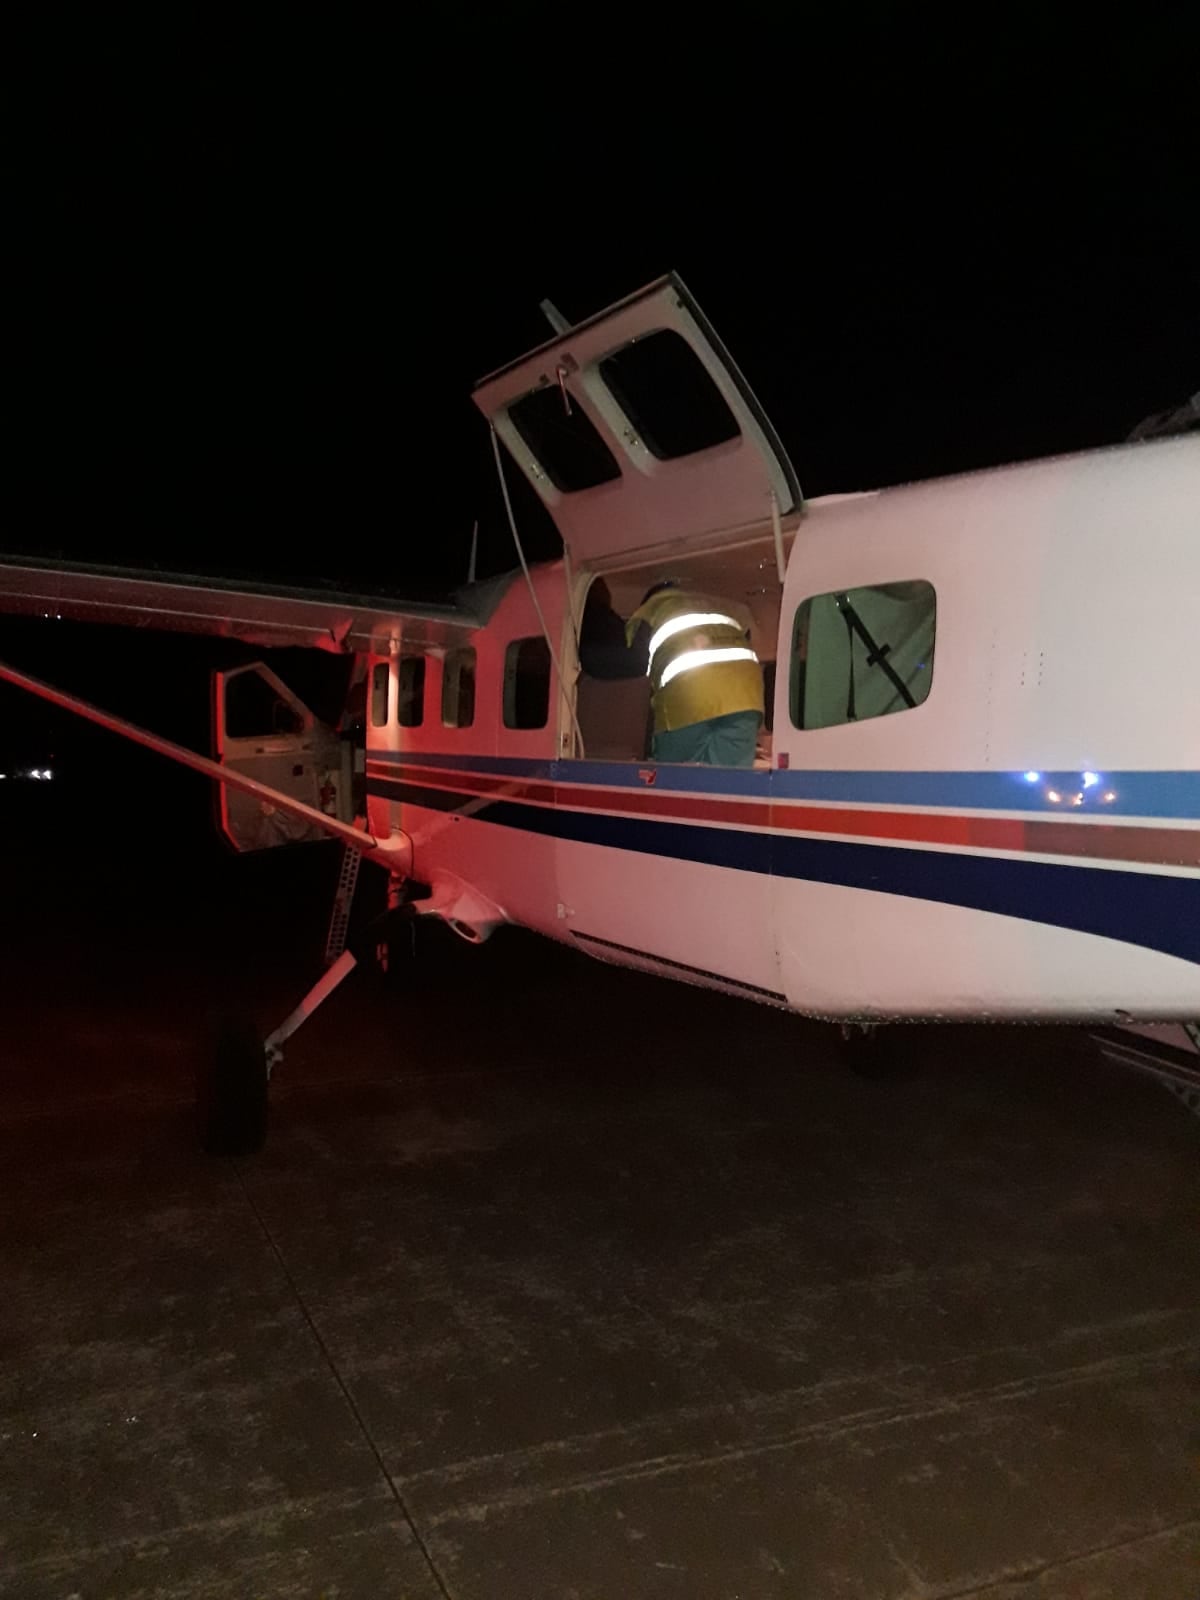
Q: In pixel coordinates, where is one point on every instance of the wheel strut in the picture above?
(320, 991)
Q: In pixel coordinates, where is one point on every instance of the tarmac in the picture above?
(556, 1282)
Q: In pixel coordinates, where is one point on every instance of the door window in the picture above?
(666, 391)
(564, 439)
(255, 710)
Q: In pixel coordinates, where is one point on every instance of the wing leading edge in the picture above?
(260, 614)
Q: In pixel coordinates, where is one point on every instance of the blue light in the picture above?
(1033, 777)
(1090, 779)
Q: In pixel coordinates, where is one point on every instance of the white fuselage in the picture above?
(1024, 842)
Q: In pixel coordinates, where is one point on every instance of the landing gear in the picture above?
(231, 1087)
(231, 1092)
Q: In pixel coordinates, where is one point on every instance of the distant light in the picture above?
(1110, 795)
(1053, 795)
(47, 772)
(1090, 779)
(1077, 800)
(1033, 777)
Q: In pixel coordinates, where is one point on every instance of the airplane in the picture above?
(977, 791)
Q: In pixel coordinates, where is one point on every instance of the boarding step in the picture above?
(343, 902)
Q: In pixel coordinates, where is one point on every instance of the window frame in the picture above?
(533, 433)
(795, 696)
(384, 667)
(452, 674)
(240, 721)
(510, 679)
(416, 693)
(642, 417)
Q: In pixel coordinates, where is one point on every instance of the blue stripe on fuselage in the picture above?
(1165, 795)
(1156, 910)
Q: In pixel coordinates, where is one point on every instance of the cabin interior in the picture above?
(614, 713)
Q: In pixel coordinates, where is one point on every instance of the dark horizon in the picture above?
(261, 285)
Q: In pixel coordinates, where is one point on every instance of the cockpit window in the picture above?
(860, 653)
(669, 395)
(564, 439)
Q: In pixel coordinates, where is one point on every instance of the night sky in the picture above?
(258, 273)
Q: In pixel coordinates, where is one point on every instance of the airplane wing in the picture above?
(259, 613)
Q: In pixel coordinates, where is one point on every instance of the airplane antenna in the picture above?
(554, 316)
(533, 595)
(1164, 424)
(474, 552)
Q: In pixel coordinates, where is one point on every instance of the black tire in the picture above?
(231, 1092)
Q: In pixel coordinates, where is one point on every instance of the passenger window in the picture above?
(859, 653)
(527, 683)
(381, 677)
(410, 691)
(458, 688)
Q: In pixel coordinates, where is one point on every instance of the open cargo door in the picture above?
(262, 729)
(638, 431)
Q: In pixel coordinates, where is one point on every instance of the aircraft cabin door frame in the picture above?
(262, 729)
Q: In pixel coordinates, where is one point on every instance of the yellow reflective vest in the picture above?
(700, 663)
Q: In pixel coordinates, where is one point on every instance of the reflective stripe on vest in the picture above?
(704, 658)
(691, 619)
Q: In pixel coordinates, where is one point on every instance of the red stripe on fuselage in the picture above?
(1096, 841)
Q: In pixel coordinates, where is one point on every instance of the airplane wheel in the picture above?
(873, 1052)
(231, 1092)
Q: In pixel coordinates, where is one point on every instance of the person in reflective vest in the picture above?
(706, 681)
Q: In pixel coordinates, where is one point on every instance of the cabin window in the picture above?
(527, 683)
(381, 678)
(254, 709)
(458, 688)
(859, 653)
(564, 439)
(669, 395)
(410, 691)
